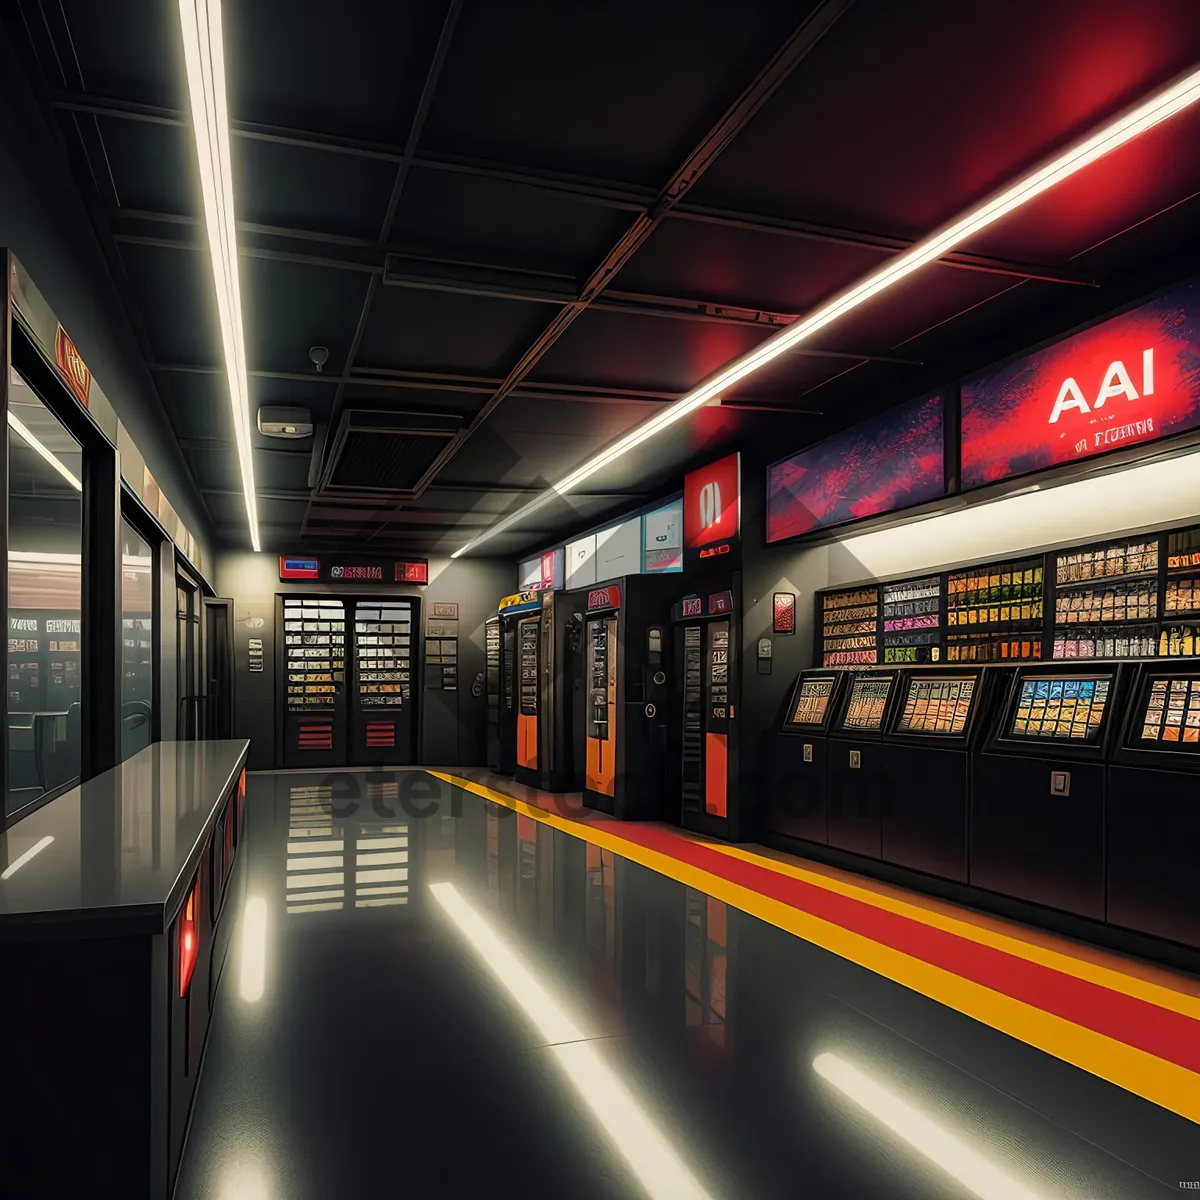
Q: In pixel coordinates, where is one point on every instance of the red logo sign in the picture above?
(548, 569)
(691, 606)
(411, 572)
(711, 503)
(299, 568)
(784, 612)
(720, 602)
(1127, 380)
(72, 368)
(605, 597)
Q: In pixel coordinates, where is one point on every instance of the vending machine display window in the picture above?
(912, 618)
(1098, 641)
(850, 628)
(1170, 714)
(1105, 600)
(937, 705)
(867, 703)
(994, 612)
(809, 708)
(315, 652)
(383, 654)
(1061, 708)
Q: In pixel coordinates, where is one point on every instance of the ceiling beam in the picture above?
(620, 197)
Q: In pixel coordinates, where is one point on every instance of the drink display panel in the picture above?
(1106, 601)
(850, 628)
(867, 703)
(315, 652)
(912, 618)
(693, 716)
(940, 706)
(1170, 715)
(383, 654)
(1061, 708)
(1182, 595)
(994, 612)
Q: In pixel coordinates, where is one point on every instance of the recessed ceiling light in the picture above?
(1134, 121)
(204, 54)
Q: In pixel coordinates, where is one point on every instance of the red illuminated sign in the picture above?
(605, 597)
(299, 568)
(548, 569)
(411, 572)
(720, 602)
(711, 503)
(1128, 380)
(691, 606)
(371, 572)
(189, 939)
(72, 367)
(784, 612)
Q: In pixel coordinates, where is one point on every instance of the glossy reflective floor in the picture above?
(469, 1002)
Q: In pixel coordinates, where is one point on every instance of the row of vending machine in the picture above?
(1074, 786)
(626, 692)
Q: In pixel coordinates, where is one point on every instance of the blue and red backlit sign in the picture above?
(299, 568)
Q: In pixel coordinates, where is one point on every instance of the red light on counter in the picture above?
(189, 940)
(242, 783)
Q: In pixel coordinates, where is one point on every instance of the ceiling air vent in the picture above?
(388, 455)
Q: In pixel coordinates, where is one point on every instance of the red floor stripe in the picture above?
(1168, 1035)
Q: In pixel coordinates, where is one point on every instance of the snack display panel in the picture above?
(850, 628)
(1106, 601)
(1181, 597)
(856, 765)
(1153, 809)
(994, 613)
(938, 719)
(381, 704)
(912, 619)
(1039, 787)
(799, 793)
(314, 681)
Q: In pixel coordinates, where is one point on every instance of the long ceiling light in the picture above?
(204, 54)
(952, 1154)
(23, 432)
(1134, 121)
(658, 1167)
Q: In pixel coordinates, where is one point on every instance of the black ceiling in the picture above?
(544, 221)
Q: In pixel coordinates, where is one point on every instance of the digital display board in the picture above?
(811, 702)
(892, 461)
(1172, 713)
(937, 705)
(662, 538)
(868, 702)
(299, 568)
(1130, 379)
(1065, 708)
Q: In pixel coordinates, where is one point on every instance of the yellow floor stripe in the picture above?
(1163, 1083)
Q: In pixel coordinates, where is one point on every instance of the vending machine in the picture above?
(512, 610)
(1154, 807)
(1039, 785)
(938, 719)
(627, 712)
(706, 672)
(799, 801)
(545, 642)
(856, 762)
(492, 640)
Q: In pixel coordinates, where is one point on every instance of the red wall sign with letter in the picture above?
(72, 367)
(605, 597)
(1133, 378)
(712, 507)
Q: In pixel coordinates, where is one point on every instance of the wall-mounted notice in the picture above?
(256, 654)
(441, 647)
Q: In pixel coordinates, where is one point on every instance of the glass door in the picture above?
(313, 666)
(382, 708)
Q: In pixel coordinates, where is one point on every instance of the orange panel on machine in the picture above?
(716, 782)
(601, 767)
(527, 747)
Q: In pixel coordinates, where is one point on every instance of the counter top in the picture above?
(121, 847)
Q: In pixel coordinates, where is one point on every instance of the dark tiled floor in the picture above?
(469, 1002)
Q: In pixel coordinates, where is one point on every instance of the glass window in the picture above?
(45, 636)
(137, 641)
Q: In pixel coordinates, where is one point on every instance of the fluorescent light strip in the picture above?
(1158, 108)
(983, 1178)
(204, 54)
(22, 430)
(17, 863)
(651, 1157)
(254, 949)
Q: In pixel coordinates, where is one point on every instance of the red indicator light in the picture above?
(189, 940)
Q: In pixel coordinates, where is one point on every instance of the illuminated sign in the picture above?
(1128, 380)
(356, 572)
(892, 461)
(411, 572)
(605, 597)
(530, 597)
(299, 568)
(720, 602)
(662, 538)
(712, 507)
(72, 367)
(690, 606)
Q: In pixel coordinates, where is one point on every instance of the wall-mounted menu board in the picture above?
(383, 653)
(937, 705)
(867, 703)
(314, 634)
(1172, 713)
(1061, 707)
(850, 627)
(994, 612)
(810, 703)
(912, 620)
